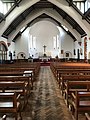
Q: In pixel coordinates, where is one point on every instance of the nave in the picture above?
(45, 101)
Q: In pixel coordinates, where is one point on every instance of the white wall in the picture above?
(44, 31)
(21, 44)
(67, 43)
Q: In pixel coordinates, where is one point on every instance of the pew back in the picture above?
(9, 104)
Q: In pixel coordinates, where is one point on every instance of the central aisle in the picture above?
(46, 102)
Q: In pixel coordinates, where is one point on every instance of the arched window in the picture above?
(3, 52)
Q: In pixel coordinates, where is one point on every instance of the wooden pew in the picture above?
(17, 87)
(21, 68)
(59, 67)
(66, 78)
(9, 104)
(18, 72)
(80, 72)
(11, 73)
(80, 103)
(72, 86)
(26, 79)
(87, 116)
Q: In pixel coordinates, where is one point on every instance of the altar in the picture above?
(44, 59)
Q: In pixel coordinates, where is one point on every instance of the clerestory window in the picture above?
(5, 5)
(82, 5)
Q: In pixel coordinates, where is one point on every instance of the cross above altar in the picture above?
(44, 48)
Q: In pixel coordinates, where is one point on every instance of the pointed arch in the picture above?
(4, 44)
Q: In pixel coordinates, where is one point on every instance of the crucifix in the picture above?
(44, 48)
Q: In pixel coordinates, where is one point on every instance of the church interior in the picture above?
(44, 59)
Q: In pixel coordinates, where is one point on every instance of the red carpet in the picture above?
(45, 63)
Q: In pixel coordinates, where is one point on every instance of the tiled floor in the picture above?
(45, 101)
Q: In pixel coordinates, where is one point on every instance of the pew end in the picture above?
(80, 103)
(4, 117)
(87, 116)
(9, 104)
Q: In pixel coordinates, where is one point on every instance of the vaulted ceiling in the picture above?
(9, 1)
(39, 5)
